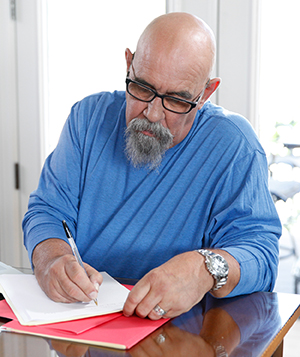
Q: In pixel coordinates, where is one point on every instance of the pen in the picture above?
(74, 248)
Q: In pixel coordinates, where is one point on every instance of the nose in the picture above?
(154, 111)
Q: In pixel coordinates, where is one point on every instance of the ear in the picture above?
(211, 87)
(128, 57)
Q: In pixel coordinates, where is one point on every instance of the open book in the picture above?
(7, 269)
(32, 306)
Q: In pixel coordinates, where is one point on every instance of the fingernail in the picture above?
(96, 285)
(93, 295)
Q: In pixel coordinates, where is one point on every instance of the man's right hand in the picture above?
(59, 274)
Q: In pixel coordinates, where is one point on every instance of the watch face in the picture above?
(218, 265)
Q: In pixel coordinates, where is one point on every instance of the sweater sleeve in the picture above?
(244, 222)
(58, 194)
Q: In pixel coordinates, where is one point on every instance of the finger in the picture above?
(145, 306)
(155, 296)
(136, 295)
(158, 304)
(153, 300)
(56, 293)
(63, 282)
(95, 277)
(79, 286)
(171, 307)
(58, 285)
(172, 310)
(146, 294)
(54, 278)
(59, 288)
(70, 292)
(158, 312)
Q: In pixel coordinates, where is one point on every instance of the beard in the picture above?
(144, 150)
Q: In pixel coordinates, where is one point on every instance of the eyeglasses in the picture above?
(145, 94)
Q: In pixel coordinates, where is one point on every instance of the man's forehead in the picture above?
(185, 94)
(163, 79)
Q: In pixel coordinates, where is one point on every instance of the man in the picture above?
(185, 175)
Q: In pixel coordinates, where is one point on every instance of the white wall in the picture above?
(238, 39)
(19, 123)
(236, 27)
(10, 228)
(28, 94)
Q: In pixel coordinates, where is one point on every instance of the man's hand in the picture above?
(60, 276)
(177, 286)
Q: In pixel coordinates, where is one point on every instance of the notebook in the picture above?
(32, 306)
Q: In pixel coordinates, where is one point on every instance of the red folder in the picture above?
(113, 330)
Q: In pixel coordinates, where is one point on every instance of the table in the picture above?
(251, 325)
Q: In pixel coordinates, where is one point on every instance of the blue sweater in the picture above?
(211, 190)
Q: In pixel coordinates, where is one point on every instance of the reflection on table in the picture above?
(243, 326)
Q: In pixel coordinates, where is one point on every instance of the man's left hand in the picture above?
(175, 286)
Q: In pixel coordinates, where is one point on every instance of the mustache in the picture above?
(156, 128)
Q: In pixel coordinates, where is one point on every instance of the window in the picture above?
(85, 51)
(280, 123)
(279, 72)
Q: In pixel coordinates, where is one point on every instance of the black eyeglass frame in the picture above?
(162, 96)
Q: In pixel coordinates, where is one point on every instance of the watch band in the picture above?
(217, 266)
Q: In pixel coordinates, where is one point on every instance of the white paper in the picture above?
(7, 269)
(33, 307)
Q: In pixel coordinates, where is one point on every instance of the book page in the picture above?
(33, 307)
(7, 269)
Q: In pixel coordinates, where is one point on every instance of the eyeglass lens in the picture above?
(147, 95)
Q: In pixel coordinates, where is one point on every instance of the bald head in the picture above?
(179, 39)
(174, 59)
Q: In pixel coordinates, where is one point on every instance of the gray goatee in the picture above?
(144, 150)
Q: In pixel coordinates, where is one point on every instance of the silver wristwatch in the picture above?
(217, 267)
